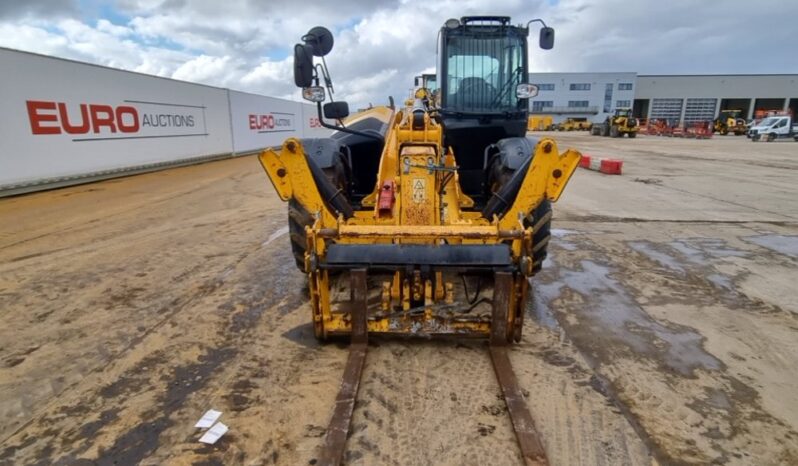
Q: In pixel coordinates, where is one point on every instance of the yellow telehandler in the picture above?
(426, 220)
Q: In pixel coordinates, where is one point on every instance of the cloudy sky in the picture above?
(381, 44)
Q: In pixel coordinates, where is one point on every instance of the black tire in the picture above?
(299, 218)
(614, 132)
(771, 137)
(539, 219)
(540, 222)
(632, 134)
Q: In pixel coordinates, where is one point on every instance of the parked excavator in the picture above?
(426, 220)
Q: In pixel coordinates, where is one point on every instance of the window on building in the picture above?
(546, 87)
(623, 103)
(578, 103)
(624, 86)
(607, 97)
(580, 87)
(539, 105)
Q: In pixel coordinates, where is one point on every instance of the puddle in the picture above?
(787, 245)
(654, 253)
(567, 245)
(700, 250)
(282, 231)
(538, 306)
(609, 312)
(560, 232)
(721, 281)
(692, 254)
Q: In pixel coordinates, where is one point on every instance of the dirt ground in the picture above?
(662, 329)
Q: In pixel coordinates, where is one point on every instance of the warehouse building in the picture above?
(581, 95)
(683, 98)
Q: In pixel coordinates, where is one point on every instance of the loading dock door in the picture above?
(666, 109)
(640, 108)
(735, 104)
(769, 104)
(700, 110)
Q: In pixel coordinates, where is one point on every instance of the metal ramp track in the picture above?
(335, 438)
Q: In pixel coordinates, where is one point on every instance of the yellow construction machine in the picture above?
(427, 90)
(616, 125)
(426, 220)
(574, 124)
(730, 121)
(540, 123)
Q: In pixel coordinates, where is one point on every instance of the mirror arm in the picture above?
(327, 81)
(342, 129)
(538, 20)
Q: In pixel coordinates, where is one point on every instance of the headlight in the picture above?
(313, 94)
(526, 91)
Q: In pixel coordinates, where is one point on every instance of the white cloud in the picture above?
(381, 45)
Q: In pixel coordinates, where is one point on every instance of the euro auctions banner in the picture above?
(62, 119)
(129, 119)
(260, 121)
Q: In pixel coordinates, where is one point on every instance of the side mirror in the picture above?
(336, 110)
(321, 39)
(303, 65)
(526, 91)
(313, 93)
(546, 38)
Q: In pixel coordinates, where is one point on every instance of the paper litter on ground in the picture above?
(214, 433)
(208, 419)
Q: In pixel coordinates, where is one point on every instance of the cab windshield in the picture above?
(483, 72)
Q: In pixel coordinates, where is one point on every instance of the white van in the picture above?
(774, 127)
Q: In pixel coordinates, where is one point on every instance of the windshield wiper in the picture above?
(506, 87)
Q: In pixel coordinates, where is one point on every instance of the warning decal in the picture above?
(419, 190)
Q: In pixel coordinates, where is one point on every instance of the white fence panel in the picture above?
(260, 121)
(64, 119)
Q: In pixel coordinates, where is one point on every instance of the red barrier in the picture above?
(606, 166)
(611, 166)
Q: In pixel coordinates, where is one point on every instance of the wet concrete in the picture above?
(783, 244)
(614, 315)
(661, 325)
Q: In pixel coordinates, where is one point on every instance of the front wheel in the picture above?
(771, 137)
(632, 134)
(614, 132)
(298, 219)
(540, 222)
(539, 219)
